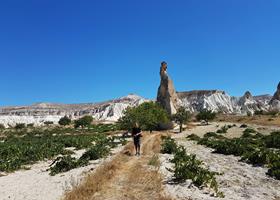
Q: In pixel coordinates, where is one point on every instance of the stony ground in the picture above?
(125, 176)
(239, 181)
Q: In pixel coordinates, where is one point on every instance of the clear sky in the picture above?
(93, 50)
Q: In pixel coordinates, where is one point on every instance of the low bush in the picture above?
(193, 137)
(249, 130)
(48, 123)
(19, 126)
(273, 140)
(274, 170)
(243, 126)
(210, 134)
(168, 146)
(223, 129)
(66, 163)
(96, 152)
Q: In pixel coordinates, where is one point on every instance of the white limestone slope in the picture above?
(39, 113)
(220, 101)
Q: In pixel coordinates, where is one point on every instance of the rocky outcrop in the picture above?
(248, 105)
(220, 101)
(275, 101)
(214, 100)
(167, 96)
(39, 113)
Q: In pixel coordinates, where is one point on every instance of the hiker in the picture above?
(136, 134)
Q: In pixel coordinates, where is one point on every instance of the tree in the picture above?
(181, 117)
(205, 115)
(20, 126)
(148, 115)
(84, 121)
(64, 121)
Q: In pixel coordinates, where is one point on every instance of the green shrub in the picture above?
(260, 157)
(274, 170)
(210, 134)
(169, 145)
(48, 123)
(254, 149)
(273, 140)
(193, 137)
(64, 121)
(249, 130)
(66, 163)
(16, 152)
(243, 126)
(223, 129)
(96, 152)
(20, 126)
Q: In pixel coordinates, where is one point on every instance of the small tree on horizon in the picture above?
(83, 122)
(64, 121)
(206, 115)
(181, 117)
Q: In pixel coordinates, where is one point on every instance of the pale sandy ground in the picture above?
(37, 184)
(239, 181)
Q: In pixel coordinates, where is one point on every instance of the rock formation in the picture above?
(167, 96)
(39, 113)
(248, 104)
(275, 101)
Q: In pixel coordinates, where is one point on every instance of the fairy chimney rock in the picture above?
(167, 96)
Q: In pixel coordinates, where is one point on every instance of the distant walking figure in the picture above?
(136, 134)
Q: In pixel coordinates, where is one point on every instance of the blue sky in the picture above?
(88, 51)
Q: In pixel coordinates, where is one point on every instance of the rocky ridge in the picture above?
(39, 113)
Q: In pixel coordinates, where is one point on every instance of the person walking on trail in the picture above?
(136, 134)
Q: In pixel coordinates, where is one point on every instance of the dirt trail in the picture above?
(126, 176)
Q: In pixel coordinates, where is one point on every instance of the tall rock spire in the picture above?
(276, 95)
(167, 95)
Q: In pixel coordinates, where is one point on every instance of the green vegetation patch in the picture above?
(189, 167)
(17, 151)
(253, 148)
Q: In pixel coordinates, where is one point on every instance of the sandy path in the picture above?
(239, 181)
(37, 184)
(131, 179)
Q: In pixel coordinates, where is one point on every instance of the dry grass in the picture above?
(125, 177)
(94, 182)
(264, 120)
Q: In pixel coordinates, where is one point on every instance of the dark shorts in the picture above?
(136, 141)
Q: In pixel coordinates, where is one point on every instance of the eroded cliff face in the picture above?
(167, 96)
(220, 101)
(39, 113)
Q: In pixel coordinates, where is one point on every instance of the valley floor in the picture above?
(239, 181)
(125, 176)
